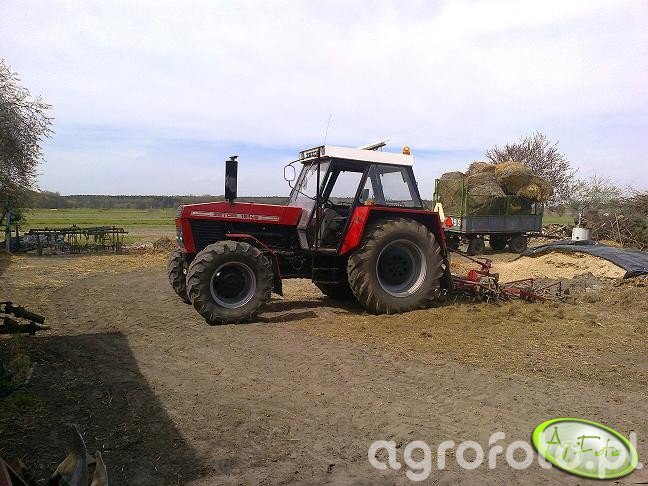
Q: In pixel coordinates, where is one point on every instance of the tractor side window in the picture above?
(345, 187)
(396, 186)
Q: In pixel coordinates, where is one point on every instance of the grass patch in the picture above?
(556, 219)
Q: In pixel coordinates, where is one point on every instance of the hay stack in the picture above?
(512, 176)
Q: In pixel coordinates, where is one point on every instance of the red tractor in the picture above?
(354, 224)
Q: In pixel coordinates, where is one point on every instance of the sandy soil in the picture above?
(300, 396)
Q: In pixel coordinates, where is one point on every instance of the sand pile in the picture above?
(556, 265)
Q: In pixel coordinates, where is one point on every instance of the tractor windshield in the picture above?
(304, 192)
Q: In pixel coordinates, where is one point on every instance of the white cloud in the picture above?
(454, 75)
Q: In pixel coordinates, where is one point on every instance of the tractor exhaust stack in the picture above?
(231, 182)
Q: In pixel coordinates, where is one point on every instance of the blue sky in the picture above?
(151, 96)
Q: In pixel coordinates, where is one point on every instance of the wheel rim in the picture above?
(233, 285)
(401, 268)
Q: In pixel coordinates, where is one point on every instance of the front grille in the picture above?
(206, 232)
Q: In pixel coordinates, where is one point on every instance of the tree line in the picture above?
(54, 200)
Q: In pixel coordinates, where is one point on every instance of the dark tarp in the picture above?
(634, 262)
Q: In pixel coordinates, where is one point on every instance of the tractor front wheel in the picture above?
(398, 267)
(228, 282)
(177, 272)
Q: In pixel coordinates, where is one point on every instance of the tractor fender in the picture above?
(362, 215)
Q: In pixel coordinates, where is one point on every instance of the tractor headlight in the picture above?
(179, 236)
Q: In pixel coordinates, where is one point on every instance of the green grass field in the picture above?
(52, 218)
(146, 224)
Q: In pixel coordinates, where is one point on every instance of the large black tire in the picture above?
(518, 244)
(177, 272)
(476, 246)
(340, 291)
(228, 282)
(398, 267)
(497, 242)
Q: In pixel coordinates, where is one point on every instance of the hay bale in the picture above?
(450, 192)
(478, 166)
(480, 178)
(453, 175)
(512, 176)
(490, 189)
(538, 189)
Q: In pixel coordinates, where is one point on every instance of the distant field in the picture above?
(39, 218)
(145, 224)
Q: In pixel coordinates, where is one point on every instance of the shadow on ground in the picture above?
(92, 380)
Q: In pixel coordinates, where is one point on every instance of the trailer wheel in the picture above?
(340, 291)
(398, 267)
(497, 241)
(476, 246)
(518, 244)
(177, 273)
(453, 241)
(228, 282)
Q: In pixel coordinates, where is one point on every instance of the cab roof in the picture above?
(359, 155)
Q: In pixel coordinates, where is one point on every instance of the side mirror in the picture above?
(289, 173)
(364, 196)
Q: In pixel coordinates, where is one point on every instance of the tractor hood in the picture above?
(241, 212)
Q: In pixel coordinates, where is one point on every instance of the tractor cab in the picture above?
(334, 181)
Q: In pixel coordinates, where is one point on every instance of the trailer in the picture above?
(472, 219)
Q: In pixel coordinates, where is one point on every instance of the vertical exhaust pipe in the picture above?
(231, 175)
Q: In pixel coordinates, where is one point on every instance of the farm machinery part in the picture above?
(73, 239)
(355, 225)
(481, 284)
(13, 326)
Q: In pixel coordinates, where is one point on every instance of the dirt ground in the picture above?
(299, 396)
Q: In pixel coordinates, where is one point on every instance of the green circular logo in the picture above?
(585, 448)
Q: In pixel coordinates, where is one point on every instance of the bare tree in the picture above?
(543, 158)
(593, 194)
(24, 124)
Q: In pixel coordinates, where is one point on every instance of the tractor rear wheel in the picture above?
(398, 267)
(497, 242)
(228, 282)
(340, 291)
(177, 272)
